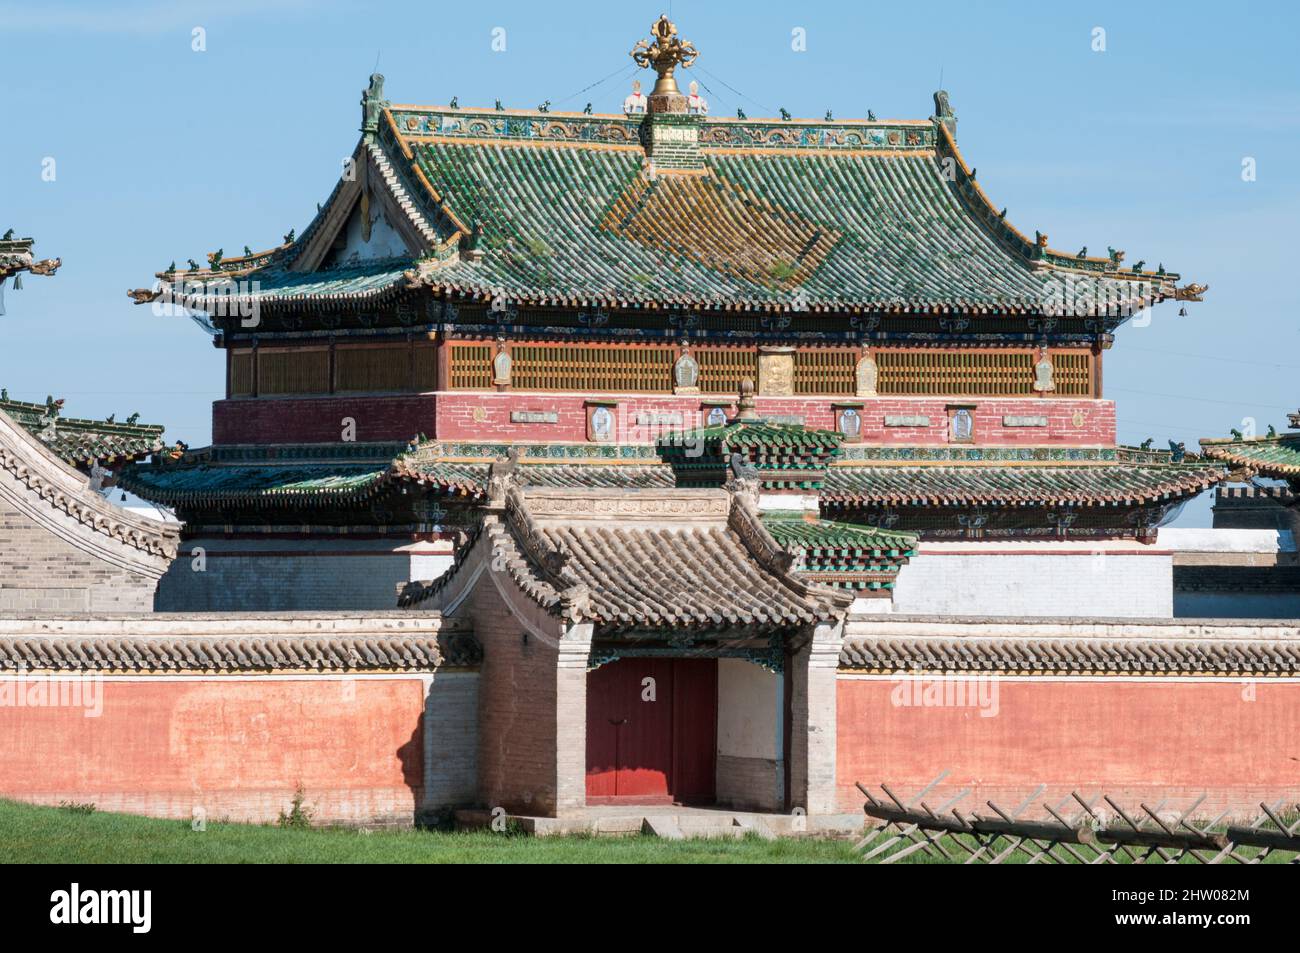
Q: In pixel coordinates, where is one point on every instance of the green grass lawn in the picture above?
(30, 834)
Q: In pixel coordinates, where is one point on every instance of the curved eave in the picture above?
(483, 294)
(1246, 454)
(324, 496)
(988, 215)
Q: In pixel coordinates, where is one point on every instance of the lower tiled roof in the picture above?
(309, 479)
(1277, 456)
(676, 578)
(841, 554)
(794, 530)
(213, 483)
(1009, 485)
(276, 484)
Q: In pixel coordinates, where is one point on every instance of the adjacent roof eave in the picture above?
(1275, 457)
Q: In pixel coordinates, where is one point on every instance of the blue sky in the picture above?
(164, 153)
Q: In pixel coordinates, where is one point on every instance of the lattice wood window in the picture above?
(825, 371)
(986, 373)
(386, 368)
(1072, 373)
(470, 366)
(573, 367)
(241, 373)
(293, 371)
(722, 369)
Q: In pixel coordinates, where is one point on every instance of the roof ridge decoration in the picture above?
(745, 521)
(16, 257)
(664, 55)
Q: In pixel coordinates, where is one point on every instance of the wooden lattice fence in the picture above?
(1096, 830)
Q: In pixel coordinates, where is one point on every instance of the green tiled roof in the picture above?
(79, 442)
(839, 230)
(793, 530)
(301, 476)
(786, 456)
(173, 485)
(369, 282)
(841, 554)
(1011, 485)
(560, 209)
(294, 483)
(762, 437)
(1277, 457)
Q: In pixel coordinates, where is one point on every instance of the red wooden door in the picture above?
(651, 731)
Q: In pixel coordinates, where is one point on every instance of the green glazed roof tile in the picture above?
(1277, 457)
(79, 442)
(1080, 485)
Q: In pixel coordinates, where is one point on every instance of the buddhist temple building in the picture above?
(666, 406)
(587, 292)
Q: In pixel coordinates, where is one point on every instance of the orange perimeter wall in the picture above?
(1136, 740)
(228, 748)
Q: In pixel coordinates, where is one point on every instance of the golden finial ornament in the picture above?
(664, 55)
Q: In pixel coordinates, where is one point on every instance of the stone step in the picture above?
(666, 828)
